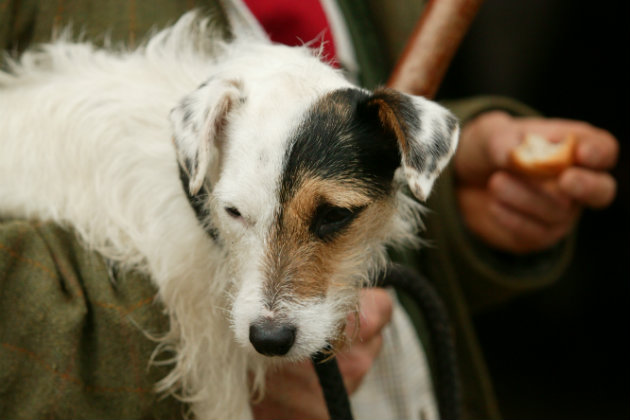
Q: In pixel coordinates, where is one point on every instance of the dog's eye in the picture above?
(233, 212)
(329, 220)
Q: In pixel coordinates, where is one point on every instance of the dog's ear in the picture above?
(427, 135)
(199, 122)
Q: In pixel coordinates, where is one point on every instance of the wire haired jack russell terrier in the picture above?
(292, 183)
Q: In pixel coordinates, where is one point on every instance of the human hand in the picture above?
(516, 213)
(293, 390)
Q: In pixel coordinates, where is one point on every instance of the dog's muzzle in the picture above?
(271, 337)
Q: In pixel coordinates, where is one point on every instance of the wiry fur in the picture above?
(86, 142)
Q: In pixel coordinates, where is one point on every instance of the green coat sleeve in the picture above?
(74, 339)
(488, 276)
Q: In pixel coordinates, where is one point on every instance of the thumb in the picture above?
(500, 143)
(485, 146)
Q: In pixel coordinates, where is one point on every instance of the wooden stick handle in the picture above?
(432, 45)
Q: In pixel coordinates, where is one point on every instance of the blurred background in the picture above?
(562, 352)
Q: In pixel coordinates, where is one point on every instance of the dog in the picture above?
(256, 186)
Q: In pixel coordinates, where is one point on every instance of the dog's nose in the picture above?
(272, 338)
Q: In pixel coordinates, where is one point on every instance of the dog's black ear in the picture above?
(199, 122)
(426, 133)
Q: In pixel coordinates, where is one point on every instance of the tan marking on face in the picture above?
(301, 266)
(314, 191)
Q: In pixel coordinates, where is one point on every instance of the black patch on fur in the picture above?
(198, 203)
(342, 138)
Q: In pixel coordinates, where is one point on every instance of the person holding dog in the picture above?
(484, 212)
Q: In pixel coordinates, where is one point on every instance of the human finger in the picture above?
(596, 149)
(375, 312)
(591, 188)
(524, 234)
(484, 146)
(530, 197)
(356, 359)
(503, 137)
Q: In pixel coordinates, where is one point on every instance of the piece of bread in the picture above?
(538, 156)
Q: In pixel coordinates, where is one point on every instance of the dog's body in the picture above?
(290, 195)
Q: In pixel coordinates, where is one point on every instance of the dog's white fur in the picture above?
(86, 141)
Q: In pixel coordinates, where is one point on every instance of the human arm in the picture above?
(486, 274)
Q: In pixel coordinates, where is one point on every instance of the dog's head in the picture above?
(298, 181)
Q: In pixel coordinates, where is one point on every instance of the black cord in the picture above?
(331, 382)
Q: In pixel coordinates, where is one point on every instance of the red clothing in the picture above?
(293, 22)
